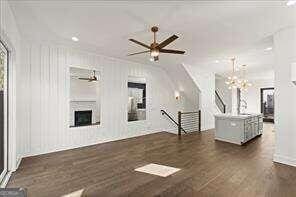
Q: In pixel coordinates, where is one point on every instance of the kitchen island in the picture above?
(238, 129)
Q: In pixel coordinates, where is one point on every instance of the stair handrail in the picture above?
(178, 125)
(220, 99)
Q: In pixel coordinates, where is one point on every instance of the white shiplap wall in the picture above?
(43, 106)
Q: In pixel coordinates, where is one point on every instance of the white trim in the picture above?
(205, 129)
(171, 131)
(18, 164)
(5, 110)
(91, 144)
(94, 126)
(5, 180)
(284, 160)
(11, 102)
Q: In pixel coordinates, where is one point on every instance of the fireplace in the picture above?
(83, 118)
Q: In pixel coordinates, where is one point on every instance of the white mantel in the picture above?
(82, 106)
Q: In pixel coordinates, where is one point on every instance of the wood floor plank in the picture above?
(208, 168)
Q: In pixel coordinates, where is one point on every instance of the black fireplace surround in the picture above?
(83, 118)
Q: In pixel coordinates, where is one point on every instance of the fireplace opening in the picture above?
(83, 118)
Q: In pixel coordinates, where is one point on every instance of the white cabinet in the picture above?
(260, 125)
(253, 127)
(238, 129)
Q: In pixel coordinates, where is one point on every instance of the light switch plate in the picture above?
(233, 124)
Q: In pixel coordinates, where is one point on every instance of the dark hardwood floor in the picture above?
(209, 168)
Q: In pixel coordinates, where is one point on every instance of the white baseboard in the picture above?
(18, 163)
(284, 160)
(5, 180)
(70, 147)
(207, 129)
(9, 173)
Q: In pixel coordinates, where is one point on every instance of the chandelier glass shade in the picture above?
(232, 80)
(244, 83)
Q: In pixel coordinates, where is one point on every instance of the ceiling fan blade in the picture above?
(156, 58)
(81, 78)
(171, 51)
(138, 53)
(140, 43)
(167, 41)
(93, 79)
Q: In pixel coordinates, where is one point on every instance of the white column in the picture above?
(234, 102)
(285, 97)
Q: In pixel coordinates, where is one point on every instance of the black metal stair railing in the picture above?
(187, 121)
(172, 119)
(219, 102)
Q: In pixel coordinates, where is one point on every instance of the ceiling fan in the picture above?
(156, 48)
(91, 78)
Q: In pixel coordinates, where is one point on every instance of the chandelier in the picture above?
(244, 83)
(232, 81)
(2, 56)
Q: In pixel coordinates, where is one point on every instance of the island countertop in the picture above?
(238, 116)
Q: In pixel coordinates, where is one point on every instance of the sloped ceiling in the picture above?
(211, 32)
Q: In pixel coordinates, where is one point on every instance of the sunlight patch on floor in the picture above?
(158, 170)
(77, 193)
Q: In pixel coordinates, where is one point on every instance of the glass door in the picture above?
(3, 111)
(267, 104)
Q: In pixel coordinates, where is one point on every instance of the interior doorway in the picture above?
(3, 111)
(267, 104)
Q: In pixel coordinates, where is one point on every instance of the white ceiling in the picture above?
(207, 30)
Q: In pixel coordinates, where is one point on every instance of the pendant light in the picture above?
(244, 83)
(232, 80)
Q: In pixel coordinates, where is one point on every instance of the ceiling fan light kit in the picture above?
(154, 52)
(92, 78)
(155, 48)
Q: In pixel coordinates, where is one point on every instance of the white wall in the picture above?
(188, 90)
(252, 95)
(223, 91)
(205, 81)
(9, 34)
(285, 97)
(45, 97)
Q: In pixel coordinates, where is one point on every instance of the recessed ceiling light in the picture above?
(75, 39)
(216, 61)
(268, 49)
(291, 2)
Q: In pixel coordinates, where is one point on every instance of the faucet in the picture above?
(243, 104)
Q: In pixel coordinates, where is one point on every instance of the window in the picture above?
(84, 97)
(136, 99)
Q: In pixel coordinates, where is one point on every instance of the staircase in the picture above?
(187, 121)
(219, 103)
